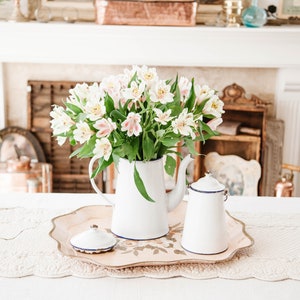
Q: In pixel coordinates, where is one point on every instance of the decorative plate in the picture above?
(128, 253)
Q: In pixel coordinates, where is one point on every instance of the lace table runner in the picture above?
(27, 249)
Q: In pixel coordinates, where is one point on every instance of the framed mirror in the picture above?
(289, 9)
(61, 8)
(16, 141)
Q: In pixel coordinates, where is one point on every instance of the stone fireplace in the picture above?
(87, 52)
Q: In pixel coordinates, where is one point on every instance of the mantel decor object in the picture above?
(289, 10)
(232, 10)
(17, 15)
(135, 120)
(146, 12)
(254, 16)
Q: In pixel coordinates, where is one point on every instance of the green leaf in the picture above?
(140, 185)
(190, 102)
(176, 109)
(72, 141)
(174, 85)
(177, 97)
(202, 104)
(191, 146)
(102, 165)
(116, 115)
(170, 141)
(160, 133)
(73, 108)
(133, 78)
(87, 149)
(148, 147)
(135, 148)
(109, 104)
(124, 150)
(170, 165)
(74, 153)
(80, 117)
(208, 130)
(205, 132)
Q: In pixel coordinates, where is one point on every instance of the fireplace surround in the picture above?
(75, 51)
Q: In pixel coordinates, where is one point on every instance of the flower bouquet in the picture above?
(137, 116)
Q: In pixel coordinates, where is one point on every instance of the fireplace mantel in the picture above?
(89, 43)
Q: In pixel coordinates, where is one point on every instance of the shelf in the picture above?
(89, 43)
(237, 138)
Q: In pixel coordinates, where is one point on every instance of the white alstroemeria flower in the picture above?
(185, 87)
(202, 93)
(160, 92)
(104, 127)
(82, 133)
(113, 86)
(148, 75)
(130, 72)
(163, 117)
(123, 80)
(95, 110)
(79, 94)
(110, 85)
(134, 92)
(184, 124)
(61, 122)
(132, 124)
(214, 106)
(214, 123)
(95, 93)
(103, 148)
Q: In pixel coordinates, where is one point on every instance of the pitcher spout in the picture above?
(176, 195)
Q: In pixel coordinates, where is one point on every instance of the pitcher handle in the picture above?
(93, 183)
(226, 194)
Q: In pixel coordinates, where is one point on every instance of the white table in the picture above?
(33, 287)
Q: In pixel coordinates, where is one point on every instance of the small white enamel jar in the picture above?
(205, 229)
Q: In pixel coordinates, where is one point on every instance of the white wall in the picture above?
(261, 82)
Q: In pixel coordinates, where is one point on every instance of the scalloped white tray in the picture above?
(128, 253)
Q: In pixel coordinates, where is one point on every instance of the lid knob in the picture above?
(207, 184)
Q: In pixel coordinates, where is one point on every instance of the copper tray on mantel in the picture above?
(166, 250)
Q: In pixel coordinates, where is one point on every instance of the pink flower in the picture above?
(104, 127)
(184, 86)
(214, 123)
(132, 124)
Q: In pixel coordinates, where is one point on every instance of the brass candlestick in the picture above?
(232, 10)
(17, 15)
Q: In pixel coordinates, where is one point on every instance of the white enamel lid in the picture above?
(93, 240)
(207, 184)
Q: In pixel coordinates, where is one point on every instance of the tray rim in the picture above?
(147, 263)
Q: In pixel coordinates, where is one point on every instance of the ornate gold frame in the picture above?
(36, 151)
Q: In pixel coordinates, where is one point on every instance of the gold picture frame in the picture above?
(84, 8)
(288, 9)
(25, 141)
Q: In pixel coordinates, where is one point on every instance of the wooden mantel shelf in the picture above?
(89, 43)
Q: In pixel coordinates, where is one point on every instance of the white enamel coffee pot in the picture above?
(204, 229)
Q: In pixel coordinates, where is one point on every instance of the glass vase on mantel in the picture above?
(254, 16)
